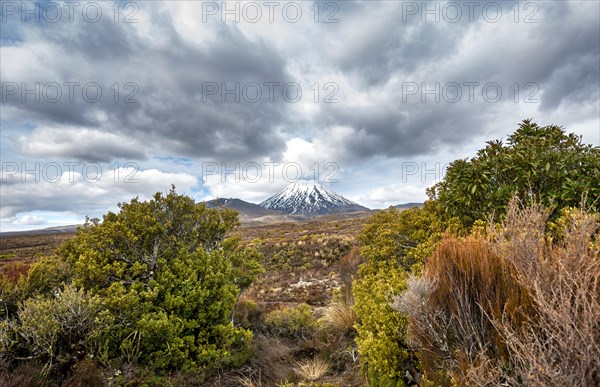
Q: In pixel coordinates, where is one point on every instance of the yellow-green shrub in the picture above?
(381, 330)
(292, 322)
(393, 244)
(41, 278)
(56, 325)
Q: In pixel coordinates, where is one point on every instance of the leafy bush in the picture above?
(54, 326)
(168, 280)
(381, 331)
(292, 322)
(393, 245)
(42, 277)
(404, 237)
(544, 163)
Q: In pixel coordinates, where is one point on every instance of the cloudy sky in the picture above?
(103, 101)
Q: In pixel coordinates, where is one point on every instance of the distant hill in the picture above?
(44, 231)
(249, 212)
(409, 205)
(308, 199)
(348, 208)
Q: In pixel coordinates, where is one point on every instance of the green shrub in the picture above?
(381, 330)
(403, 237)
(545, 163)
(393, 245)
(290, 322)
(56, 326)
(168, 280)
(43, 277)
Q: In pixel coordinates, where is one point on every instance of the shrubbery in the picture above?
(513, 307)
(468, 290)
(393, 245)
(491, 308)
(292, 322)
(43, 277)
(381, 330)
(154, 284)
(54, 326)
(544, 164)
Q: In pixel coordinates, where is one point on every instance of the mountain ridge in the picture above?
(248, 212)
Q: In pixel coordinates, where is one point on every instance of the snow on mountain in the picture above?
(309, 198)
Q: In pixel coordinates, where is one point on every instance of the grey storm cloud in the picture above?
(172, 113)
(401, 131)
(391, 46)
(560, 53)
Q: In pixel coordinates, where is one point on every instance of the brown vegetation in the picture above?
(515, 306)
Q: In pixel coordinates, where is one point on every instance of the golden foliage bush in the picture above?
(514, 306)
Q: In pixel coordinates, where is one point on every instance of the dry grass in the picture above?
(26, 374)
(246, 381)
(338, 317)
(348, 270)
(512, 307)
(560, 344)
(312, 369)
(86, 374)
(463, 283)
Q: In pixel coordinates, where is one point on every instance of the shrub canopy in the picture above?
(168, 279)
(537, 163)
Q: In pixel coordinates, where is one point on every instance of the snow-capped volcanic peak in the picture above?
(305, 198)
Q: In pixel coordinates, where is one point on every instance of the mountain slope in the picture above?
(309, 199)
(248, 212)
(408, 205)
